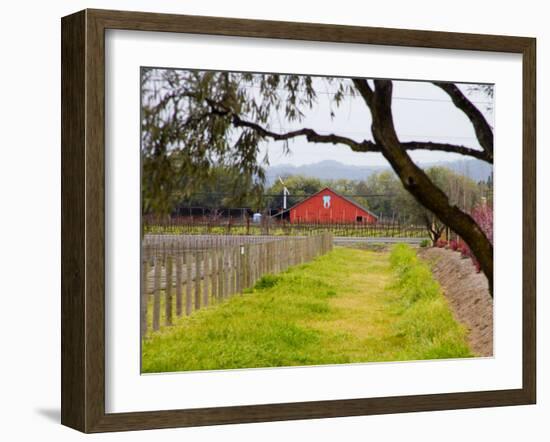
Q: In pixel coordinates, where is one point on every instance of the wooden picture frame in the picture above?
(83, 220)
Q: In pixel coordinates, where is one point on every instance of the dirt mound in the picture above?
(468, 295)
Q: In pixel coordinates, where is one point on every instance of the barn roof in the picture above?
(337, 194)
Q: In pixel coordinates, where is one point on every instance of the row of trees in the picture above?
(383, 193)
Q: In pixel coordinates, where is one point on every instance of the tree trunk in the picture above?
(419, 185)
(434, 234)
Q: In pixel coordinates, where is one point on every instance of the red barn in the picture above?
(326, 206)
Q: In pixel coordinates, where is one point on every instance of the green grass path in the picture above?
(348, 306)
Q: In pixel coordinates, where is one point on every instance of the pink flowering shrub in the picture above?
(483, 216)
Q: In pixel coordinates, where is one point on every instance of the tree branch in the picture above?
(364, 89)
(445, 147)
(357, 146)
(483, 131)
(310, 134)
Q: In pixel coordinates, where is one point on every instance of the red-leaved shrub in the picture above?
(465, 251)
(477, 265)
(441, 243)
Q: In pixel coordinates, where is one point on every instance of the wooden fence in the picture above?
(184, 273)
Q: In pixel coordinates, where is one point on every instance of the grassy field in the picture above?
(348, 306)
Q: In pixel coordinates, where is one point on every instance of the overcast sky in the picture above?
(422, 112)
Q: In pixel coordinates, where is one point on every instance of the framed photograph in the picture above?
(268, 220)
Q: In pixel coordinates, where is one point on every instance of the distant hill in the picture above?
(333, 170)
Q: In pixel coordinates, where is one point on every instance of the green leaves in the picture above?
(187, 126)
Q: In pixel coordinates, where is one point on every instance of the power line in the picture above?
(344, 94)
(279, 195)
(404, 98)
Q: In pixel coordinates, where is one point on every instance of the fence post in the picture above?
(286, 254)
(239, 272)
(178, 258)
(234, 270)
(261, 259)
(198, 275)
(214, 276)
(168, 291)
(188, 282)
(281, 256)
(227, 273)
(220, 274)
(252, 265)
(144, 295)
(275, 256)
(258, 262)
(206, 277)
(263, 248)
(156, 292)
